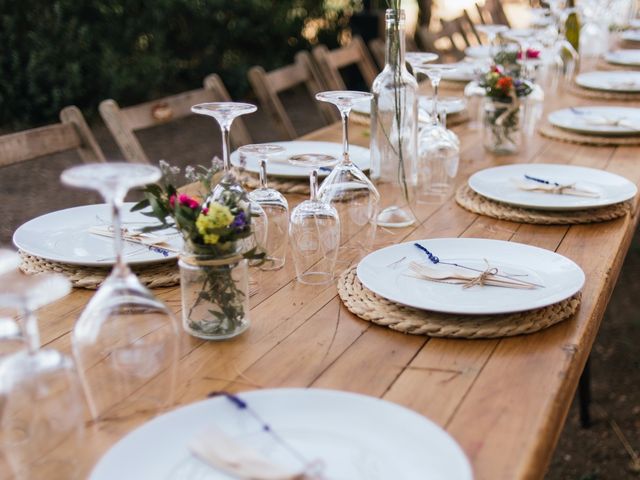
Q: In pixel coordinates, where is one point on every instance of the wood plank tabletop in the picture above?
(504, 400)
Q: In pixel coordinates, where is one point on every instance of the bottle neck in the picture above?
(395, 44)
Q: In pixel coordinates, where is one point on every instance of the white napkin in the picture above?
(563, 189)
(223, 452)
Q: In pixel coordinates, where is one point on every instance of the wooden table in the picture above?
(505, 401)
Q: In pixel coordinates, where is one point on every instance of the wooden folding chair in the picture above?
(331, 61)
(377, 49)
(434, 42)
(72, 133)
(470, 25)
(492, 12)
(268, 86)
(124, 122)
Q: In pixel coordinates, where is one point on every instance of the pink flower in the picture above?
(531, 53)
(185, 200)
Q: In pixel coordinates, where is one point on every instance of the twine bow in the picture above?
(488, 277)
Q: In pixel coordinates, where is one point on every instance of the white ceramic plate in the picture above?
(279, 166)
(358, 438)
(386, 272)
(451, 107)
(497, 184)
(621, 81)
(631, 35)
(465, 72)
(63, 236)
(484, 51)
(630, 57)
(598, 120)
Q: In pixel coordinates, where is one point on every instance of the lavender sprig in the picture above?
(435, 260)
(541, 180)
(243, 405)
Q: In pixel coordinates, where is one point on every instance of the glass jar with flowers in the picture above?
(502, 112)
(218, 243)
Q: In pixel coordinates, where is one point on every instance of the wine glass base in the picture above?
(395, 217)
(315, 278)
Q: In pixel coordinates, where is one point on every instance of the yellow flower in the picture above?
(217, 216)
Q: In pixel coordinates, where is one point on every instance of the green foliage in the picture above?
(60, 52)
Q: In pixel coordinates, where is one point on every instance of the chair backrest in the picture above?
(377, 49)
(72, 133)
(491, 11)
(432, 42)
(268, 85)
(470, 25)
(454, 30)
(124, 122)
(331, 61)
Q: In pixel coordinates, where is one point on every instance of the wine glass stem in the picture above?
(116, 206)
(263, 171)
(31, 329)
(313, 186)
(435, 83)
(344, 113)
(225, 148)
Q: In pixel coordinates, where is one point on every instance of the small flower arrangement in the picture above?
(211, 228)
(502, 110)
(218, 236)
(502, 87)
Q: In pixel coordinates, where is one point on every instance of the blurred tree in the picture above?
(59, 52)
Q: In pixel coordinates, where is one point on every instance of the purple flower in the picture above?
(240, 222)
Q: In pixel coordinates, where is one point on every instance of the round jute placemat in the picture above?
(476, 203)
(365, 304)
(579, 91)
(164, 274)
(452, 120)
(252, 182)
(555, 133)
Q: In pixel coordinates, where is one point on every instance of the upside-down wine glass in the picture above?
(314, 231)
(42, 413)
(348, 189)
(225, 113)
(274, 205)
(523, 37)
(126, 340)
(492, 31)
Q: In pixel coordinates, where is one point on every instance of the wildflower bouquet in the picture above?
(217, 237)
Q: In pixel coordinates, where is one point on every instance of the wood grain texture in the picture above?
(505, 401)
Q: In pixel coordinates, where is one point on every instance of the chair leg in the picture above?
(584, 395)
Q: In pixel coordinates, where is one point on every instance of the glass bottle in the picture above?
(394, 130)
(572, 26)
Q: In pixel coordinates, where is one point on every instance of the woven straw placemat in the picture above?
(452, 120)
(164, 274)
(476, 203)
(555, 133)
(367, 305)
(252, 182)
(582, 92)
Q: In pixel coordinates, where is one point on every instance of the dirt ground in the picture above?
(602, 452)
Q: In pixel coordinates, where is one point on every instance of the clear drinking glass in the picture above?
(275, 206)
(42, 410)
(314, 231)
(126, 340)
(349, 190)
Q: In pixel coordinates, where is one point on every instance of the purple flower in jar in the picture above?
(240, 222)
